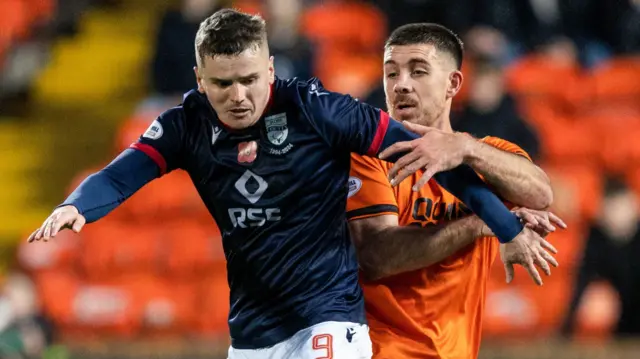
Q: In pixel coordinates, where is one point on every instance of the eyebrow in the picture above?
(412, 61)
(218, 80)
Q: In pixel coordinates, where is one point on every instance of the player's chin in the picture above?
(405, 114)
(238, 122)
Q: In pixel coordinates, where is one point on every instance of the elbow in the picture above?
(540, 194)
(539, 200)
(545, 195)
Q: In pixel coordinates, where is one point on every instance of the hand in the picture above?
(435, 152)
(540, 221)
(528, 249)
(61, 218)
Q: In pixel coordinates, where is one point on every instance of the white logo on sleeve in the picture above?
(154, 131)
(354, 186)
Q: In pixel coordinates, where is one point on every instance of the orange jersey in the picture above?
(434, 312)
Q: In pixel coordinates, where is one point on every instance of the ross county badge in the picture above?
(277, 128)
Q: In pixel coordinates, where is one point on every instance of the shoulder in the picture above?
(368, 169)
(505, 145)
(312, 94)
(370, 163)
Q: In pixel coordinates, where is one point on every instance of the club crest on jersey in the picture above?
(247, 152)
(277, 130)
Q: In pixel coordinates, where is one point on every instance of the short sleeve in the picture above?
(506, 146)
(370, 193)
(163, 140)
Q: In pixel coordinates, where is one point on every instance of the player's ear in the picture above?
(455, 83)
(272, 71)
(198, 79)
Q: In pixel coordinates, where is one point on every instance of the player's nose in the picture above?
(238, 93)
(402, 85)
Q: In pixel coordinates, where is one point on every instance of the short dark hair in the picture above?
(437, 35)
(229, 32)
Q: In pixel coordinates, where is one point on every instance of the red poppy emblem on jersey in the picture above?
(247, 151)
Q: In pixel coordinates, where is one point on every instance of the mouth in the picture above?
(239, 112)
(404, 106)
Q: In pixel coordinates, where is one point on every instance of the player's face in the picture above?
(237, 86)
(419, 82)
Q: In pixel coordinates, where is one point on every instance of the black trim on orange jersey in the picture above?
(375, 209)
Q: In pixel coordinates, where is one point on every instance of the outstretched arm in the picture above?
(155, 153)
(100, 193)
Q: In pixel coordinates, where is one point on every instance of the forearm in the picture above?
(105, 190)
(465, 184)
(397, 249)
(515, 178)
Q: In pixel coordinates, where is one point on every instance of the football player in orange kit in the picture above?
(425, 259)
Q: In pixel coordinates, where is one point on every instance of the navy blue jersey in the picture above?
(280, 206)
(290, 260)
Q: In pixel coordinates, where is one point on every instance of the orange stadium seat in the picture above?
(213, 302)
(563, 138)
(14, 19)
(14, 24)
(110, 248)
(616, 82)
(345, 24)
(61, 253)
(538, 78)
(190, 248)
(138, 122)
(617, 143)
(581, 183)
(86, 309)
(358, 74)
(41, 10)
(105, 308)
(523, 310)
(162, 306)
(169, 197)
(249, 6)
(57, 290)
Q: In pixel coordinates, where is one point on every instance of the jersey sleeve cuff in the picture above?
(372, 211)
(153, 154)
(383, 125)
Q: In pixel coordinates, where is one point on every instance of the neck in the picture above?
(443, 121)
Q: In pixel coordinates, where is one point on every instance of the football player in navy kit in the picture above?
(270, 159)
